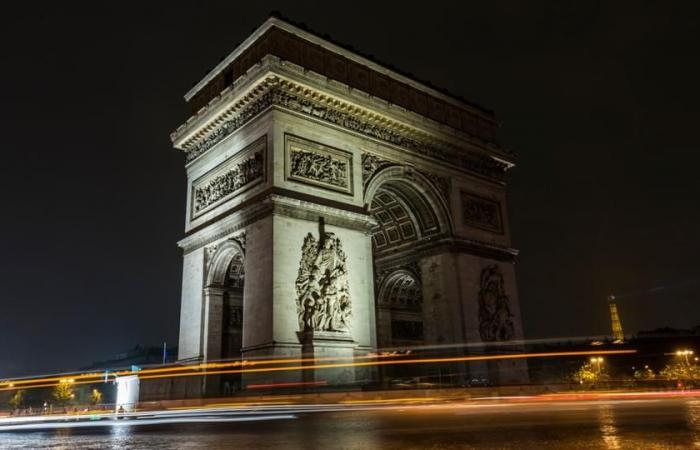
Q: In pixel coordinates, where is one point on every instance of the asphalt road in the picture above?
(608, 424)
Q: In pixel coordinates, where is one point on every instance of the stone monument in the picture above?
(336, 207)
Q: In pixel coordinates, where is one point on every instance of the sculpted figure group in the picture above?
(323, 297)
(319, 168)
(495, 318)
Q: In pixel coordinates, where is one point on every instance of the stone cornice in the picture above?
(306, 210)
(280, 202)
(235, 108)
(225, 226)
(245, 87)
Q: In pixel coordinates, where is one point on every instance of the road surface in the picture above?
(607, 424)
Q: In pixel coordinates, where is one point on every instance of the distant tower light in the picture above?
(618, 334)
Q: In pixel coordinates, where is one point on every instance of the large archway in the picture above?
(410, 215)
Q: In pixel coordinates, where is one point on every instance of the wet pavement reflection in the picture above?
(631, 424)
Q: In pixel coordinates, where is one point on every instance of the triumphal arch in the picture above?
(336, 207)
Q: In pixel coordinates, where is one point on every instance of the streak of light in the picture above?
(97, 376)
(389, 400)
(286, 385)
(157, 373)
(404, 361)
(129, 423)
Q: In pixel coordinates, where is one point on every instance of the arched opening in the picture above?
(410, 215)
(400, 310)
(232, 311)
(407, 209)
(226, 280)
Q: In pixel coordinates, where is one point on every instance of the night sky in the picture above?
(601, 102)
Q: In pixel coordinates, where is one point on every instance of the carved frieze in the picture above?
(317, 164)
(230, 178)
(482, 212)
(323, 295)
(495, 318)
(282, 95)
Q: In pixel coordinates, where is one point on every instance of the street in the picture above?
(647, 423)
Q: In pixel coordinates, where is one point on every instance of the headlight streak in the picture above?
(204, 369)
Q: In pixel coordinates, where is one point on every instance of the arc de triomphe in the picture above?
(335, 206)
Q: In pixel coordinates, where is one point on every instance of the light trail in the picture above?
(217, 413)
(405, 361)
(197, 368)
(95, 377)
(140, 422)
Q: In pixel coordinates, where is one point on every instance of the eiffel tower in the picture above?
(618, 334)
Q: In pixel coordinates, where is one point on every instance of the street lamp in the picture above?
(597, 360)
(685, 353)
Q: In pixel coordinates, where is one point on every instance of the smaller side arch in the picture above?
(401, 284)
(220, 261)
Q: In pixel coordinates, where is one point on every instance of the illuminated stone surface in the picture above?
(292, 150)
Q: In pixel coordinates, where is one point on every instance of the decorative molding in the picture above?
(323, 295)
(482, 212)
(371, 164)
(274, 91)
(223, 227)
(443, 185)
(229, 178)
(317, 164)
(495, 318)
(241, 239)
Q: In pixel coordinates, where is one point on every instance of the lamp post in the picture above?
(685, 353)
(597, 360)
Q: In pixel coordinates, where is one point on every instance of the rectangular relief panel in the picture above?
(482, 212)
(317, 164)
(237, 174)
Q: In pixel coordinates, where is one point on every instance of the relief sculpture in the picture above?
(482, 213)
(495, 318)
(323, 168)
(372, 164)
(238, 176)
(323, 297)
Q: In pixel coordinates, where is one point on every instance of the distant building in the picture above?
(654, 348)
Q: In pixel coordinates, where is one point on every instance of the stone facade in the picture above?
(330, 220)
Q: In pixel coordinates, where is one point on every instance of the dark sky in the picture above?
(599, 100)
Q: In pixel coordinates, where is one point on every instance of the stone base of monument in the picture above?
(328, 348)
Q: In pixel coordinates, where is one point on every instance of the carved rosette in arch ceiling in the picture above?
(323, 294)
(495, 319)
